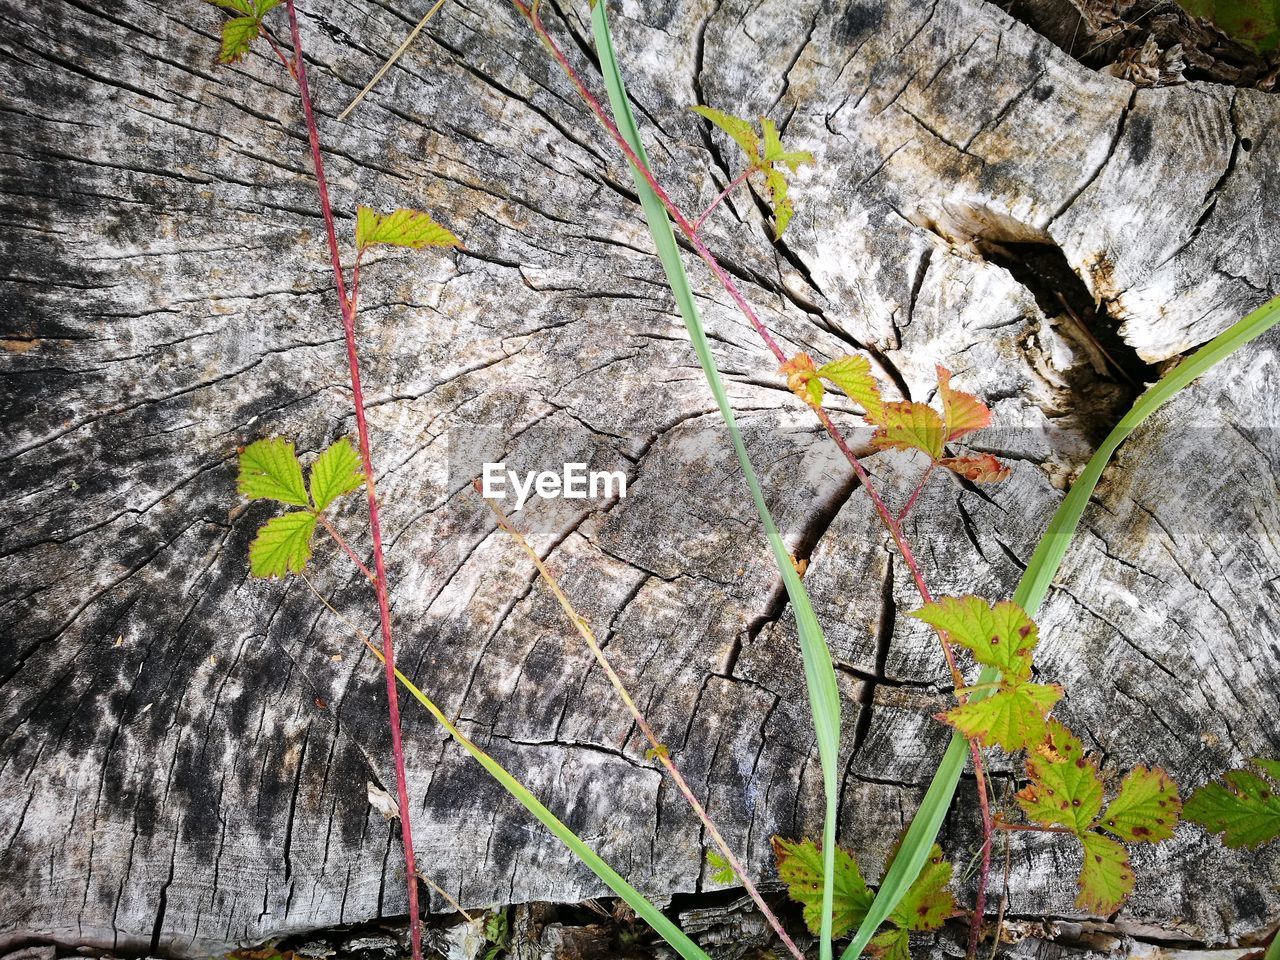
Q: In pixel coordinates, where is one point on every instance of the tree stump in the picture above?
(186, 749)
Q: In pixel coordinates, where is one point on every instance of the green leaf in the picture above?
(820, 676)
(800, 868)
(283, 545)
(401, 228)
(892, 944)
(774, 151)
(644, 909)
(1145, 809)
(739, 130)
(904, 425)
(1245, 808)
(1106, 879)
(721, 869)
(238, 35)
(1013, 718)
(929, 902)
(1065, 788)
(335, 472)
(1255, 23)
(852, 374)
(269, 470)
(783, 209)
(1032, 588)
(1000, 636)
(265, 6)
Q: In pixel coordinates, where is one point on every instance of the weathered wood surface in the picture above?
(185, 750)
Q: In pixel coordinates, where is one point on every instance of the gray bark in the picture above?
(185, 750)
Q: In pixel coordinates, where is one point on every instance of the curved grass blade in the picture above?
(820, 677)
(1032, 588)
(651, 915)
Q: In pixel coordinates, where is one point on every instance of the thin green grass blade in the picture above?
(820, 676)
(1033, 586)
(1273, 951)
(633, 897)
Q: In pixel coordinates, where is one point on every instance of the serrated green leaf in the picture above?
(852, 374)
(774, 151)
(905, 425)
(269, 470)
(1106, 879)
(1000, 635)
(283, 545)
(265, 6)
(238, 35)
(891, 944)
(1245, 808)
(800, 868)
(783, 209)
(721, 869)
(1065, 789)
(739, 130)
(335, 472)
(1013, 718)
(400, 228)
(929, 902)
(1145, 809)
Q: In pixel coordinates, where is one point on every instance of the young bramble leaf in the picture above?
(904, 425)
(283, 545)
(983, 468)
(269, 470)
(1106, 879)
(1145, 809)
(783, 209)
(891, 944)
(739, 130)
(1014, 717)
(335, 472)
(962, 412)
(928, 903)
(774, 151)
(721, 871)
(800, 868)
(763, 158)
(1244, 808)
(1065, 789)
(1000, 636)
(401, 228)
(852, 374)
(802, 379)
(263, 6)
(238, 35)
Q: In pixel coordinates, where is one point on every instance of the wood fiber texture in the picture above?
(185, 750)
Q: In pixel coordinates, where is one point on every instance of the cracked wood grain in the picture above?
(169, 777)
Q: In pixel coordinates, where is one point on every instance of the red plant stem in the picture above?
(341, 541)
(375, 527)
(911, 500)
(271, 41)
(697, 224)
(690, 232)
